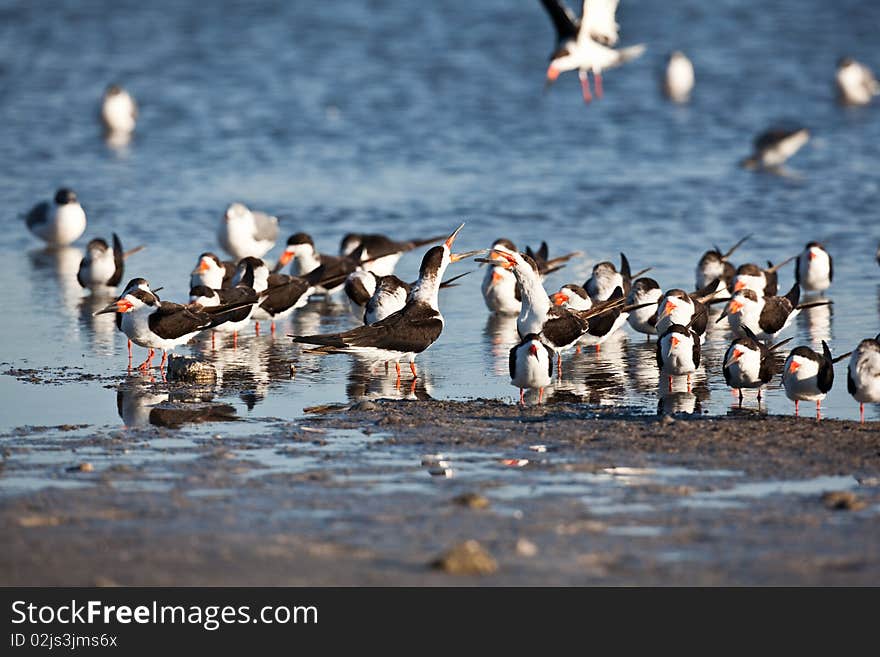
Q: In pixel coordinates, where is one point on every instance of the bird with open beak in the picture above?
(402, 335)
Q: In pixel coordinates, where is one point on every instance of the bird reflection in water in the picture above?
(61, 264)
(500, 334)
(244, 368)
(817, 321)
(370, 380)
(597, 377)
(140, 403)
(682, 398)
(100, 329)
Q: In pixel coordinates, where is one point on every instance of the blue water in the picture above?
(351, 115)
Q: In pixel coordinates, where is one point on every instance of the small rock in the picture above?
(365, 407)
(666, 420)
(471, 501)
(841, 500)
(190, 370)
(82, 467)
(468, 558)
(525, 548)
(441, 471)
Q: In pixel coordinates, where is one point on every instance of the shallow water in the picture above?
(353, 115)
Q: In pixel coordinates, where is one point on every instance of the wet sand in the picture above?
(614, 500)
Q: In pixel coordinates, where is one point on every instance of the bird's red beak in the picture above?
(552, 73)
(286, 257)
(734, 307)
(667, 310)
(533, 350)
(812, 254)
(739, 285)
(792, 367)
(675, 341)
(203, 266)
(507, 261)
(559, 298)
(737, 354)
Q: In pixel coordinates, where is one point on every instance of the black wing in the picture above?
(118, 260)
(511, 360)
(551, 356)
(563, 327)
(563, 20)
(697, 349)
(797, 270)
(774, 314)
(850, 384)
(830, 268)
(283, 292)
(825, 377)
(659, 355)
(412, 329)
(700, 319)
(39, 214)
(79, 273)
(332, 271)
(172, 320)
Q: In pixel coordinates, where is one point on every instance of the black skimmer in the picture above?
(327, 272)
(359, 288)
(763, 282)
(766, 317)
(863, 374)
(155, 324)
(406, 333)
(678, 353)
(808, 376)
(247, 233)
(584, 44)
(102, 266)
(645, 292)
(242, 293)
(774, 147)
(212, 272)
(280, 294)
(676, 306)
(856, 84)
(604, 325)
(606, 278)
(531, 366)
(60, 222)
(118, 111)
(379, 252)
(714, 265)
(814, 269)
(749, 363)
(678, 78)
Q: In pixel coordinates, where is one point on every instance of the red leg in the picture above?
(578, 349)
(522, 396)
(862, 413)
(272, 330)
(818, 410)
(129, 352)
(257, 328)
(670, 384)
(796, 409)
(559, 364)
(741, 397)
(164, 359)
(540, 395)
(597, 82)
(397, 366)
(235, 339)
(598, 348)
(213, 340)
(585, 86)
(412, 368)
(689, 382)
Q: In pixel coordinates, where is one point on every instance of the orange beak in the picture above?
(552, 73)
(533, 350)
(793, 366)
(559, 298)
(120, 306)
(739, 285)
(812, 254)
(735, 307)
(286, 257)
(505, 260)
(675, 341)
(451, 238)
(667, 310)
(737, 354)
(203, 266)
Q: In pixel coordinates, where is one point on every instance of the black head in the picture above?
(818, 245)
(679, 329)
(97, 243)
(805, 352)
(845, 61)
(432, 261)
(530, 337)
(250, 261)
(605, 266)
(135, 282)
(113, 90)
(212, 256)
(202, 291)
(749, 269)
(300, 238)
(349, 241)
(710, 257)
(64, 196)
(678, 294)
(577, 289)
(504, 242)
(645, 285)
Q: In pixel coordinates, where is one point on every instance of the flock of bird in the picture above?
(402, 319)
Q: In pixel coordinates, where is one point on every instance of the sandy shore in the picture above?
(613, 500)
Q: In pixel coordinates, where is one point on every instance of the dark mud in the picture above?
(566, 495)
